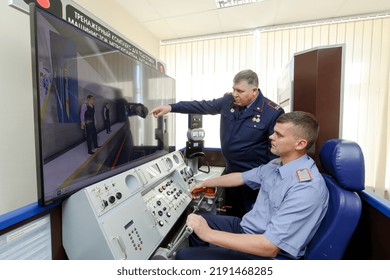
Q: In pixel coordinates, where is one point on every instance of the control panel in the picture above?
(128, 215)
(166, 202)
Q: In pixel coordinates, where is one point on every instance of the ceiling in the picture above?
(175, 19)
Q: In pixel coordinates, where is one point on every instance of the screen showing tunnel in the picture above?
(92, 106)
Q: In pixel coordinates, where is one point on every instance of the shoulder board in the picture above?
(304, 175)
(274, 106)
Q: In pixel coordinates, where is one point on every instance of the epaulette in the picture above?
(274, 106)
(304, 175)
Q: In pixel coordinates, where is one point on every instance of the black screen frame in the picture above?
(39, 160)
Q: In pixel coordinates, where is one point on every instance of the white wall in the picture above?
(17, 148)
(118, 19)
(17, 143)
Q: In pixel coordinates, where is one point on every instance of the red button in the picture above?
(44, 3)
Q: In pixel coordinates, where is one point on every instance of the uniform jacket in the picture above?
(244, 136)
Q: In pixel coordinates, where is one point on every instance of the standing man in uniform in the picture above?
(291, 204)
(247, 120)
(87, 117)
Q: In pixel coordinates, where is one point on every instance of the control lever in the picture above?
(208, 192)
(167, 253)
(172, 249)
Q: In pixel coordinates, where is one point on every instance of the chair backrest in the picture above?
(343, 165)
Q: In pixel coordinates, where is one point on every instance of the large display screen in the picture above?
(91, 108)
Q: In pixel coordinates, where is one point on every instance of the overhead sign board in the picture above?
(85, 21)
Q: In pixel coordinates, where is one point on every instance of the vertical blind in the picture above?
(204, 69)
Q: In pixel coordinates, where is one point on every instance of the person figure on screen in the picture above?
(106, 116)
(247, 120)
(87, 117)
(292, 201)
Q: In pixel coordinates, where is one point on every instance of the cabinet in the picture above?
(317, 89)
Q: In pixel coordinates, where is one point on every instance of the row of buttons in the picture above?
(136, 240)
(164, 187)
(111, 199)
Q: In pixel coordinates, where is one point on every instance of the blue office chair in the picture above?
(343, 166)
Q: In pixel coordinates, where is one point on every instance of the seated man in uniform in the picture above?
(291, 204)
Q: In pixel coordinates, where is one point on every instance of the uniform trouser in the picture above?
(200, 250)
(107, 125)
(91, 136)
(240, 199)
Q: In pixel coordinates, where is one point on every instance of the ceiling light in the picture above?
(231, 3)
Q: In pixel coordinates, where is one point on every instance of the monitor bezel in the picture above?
(42, 200)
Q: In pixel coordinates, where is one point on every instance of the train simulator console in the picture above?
(128, 215)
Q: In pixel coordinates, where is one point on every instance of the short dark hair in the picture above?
(89, 96)
(247, 75)
(306, 123)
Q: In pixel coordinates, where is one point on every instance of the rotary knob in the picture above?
(111, 199)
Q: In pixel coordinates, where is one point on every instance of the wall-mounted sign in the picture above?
(85, 21)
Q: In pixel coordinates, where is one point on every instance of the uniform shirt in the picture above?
(288, 211)
(243, 135)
